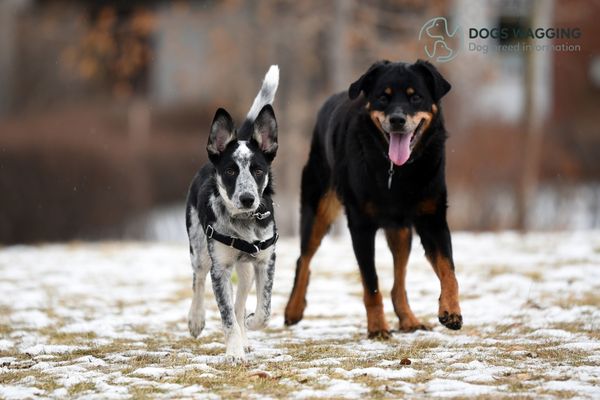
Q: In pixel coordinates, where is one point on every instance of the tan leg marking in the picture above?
(449, 312)
(399, 242)
(377, 326)
(327, 211)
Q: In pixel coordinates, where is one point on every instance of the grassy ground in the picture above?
(108, 321)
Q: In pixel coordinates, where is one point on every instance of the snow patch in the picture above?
(153, 372)
(50, 349)
(382, 373)
(19, 392)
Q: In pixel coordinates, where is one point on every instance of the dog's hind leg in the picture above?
(363, 242)
(399, 241)
(264, 272)
(319, 208)
(245, 274)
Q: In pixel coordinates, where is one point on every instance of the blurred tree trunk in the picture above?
(138, 123)
(340, 58)
(8, 24)
(533, 116)
(340, 62)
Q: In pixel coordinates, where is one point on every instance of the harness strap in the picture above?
(252, 248)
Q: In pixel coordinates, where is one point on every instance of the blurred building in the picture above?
(105, 106)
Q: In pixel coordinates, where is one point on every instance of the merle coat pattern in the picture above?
(378, 152)
(228, 193)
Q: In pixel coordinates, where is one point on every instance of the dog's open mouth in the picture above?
(402, 144)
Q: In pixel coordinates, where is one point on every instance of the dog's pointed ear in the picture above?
(438, 86)
(265, 132)
(365, 82)
(221, 133)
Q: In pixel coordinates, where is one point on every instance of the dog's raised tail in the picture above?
(266, 94)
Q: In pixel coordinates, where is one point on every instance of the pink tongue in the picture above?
(399, 150)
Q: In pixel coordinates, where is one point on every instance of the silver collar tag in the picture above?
(390, 175)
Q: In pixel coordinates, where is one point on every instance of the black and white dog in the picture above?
(230, 219)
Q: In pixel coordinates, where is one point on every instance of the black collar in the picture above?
(252, 248)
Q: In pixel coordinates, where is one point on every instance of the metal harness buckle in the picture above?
(261, 216)
(212, 231)
(257, 250)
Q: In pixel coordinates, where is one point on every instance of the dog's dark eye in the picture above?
(258, 172)
(230, 171)
(383, 99)
(415, 99)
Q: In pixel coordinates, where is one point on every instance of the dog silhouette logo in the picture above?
(441, 45)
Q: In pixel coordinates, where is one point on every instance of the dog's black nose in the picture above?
(397, 120)
(247, 199)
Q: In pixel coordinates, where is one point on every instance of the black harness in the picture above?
(252, 248)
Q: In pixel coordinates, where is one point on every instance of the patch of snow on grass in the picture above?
(376, 372)
(19, 392)
(153, 372)
(108, 320)
(39, 349)
(335, 388)
(451, 388)
(6, 344)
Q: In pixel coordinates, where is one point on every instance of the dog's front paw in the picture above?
(451, 320)
(246, 344)
(407, 326)
(195, 324)
(449, 310)
(235, 354)
(254, 323)
(235, 348)
(294, 312)
(380, 334)
(235, 358)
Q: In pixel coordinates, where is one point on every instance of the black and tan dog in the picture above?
(378, 151)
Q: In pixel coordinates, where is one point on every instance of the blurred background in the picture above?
(105, 107)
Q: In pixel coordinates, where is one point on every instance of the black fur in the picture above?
(233, 195)
(349, 155)
(204, 184)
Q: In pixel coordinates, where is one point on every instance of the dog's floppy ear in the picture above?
(221, 132)
(365, 82)
(265, 132)
(438, 86)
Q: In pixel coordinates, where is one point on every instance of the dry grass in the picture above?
(507, 357)
(81, 388)
(277, 379)
(578, 299)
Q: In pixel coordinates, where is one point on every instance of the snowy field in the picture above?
(108, 320)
